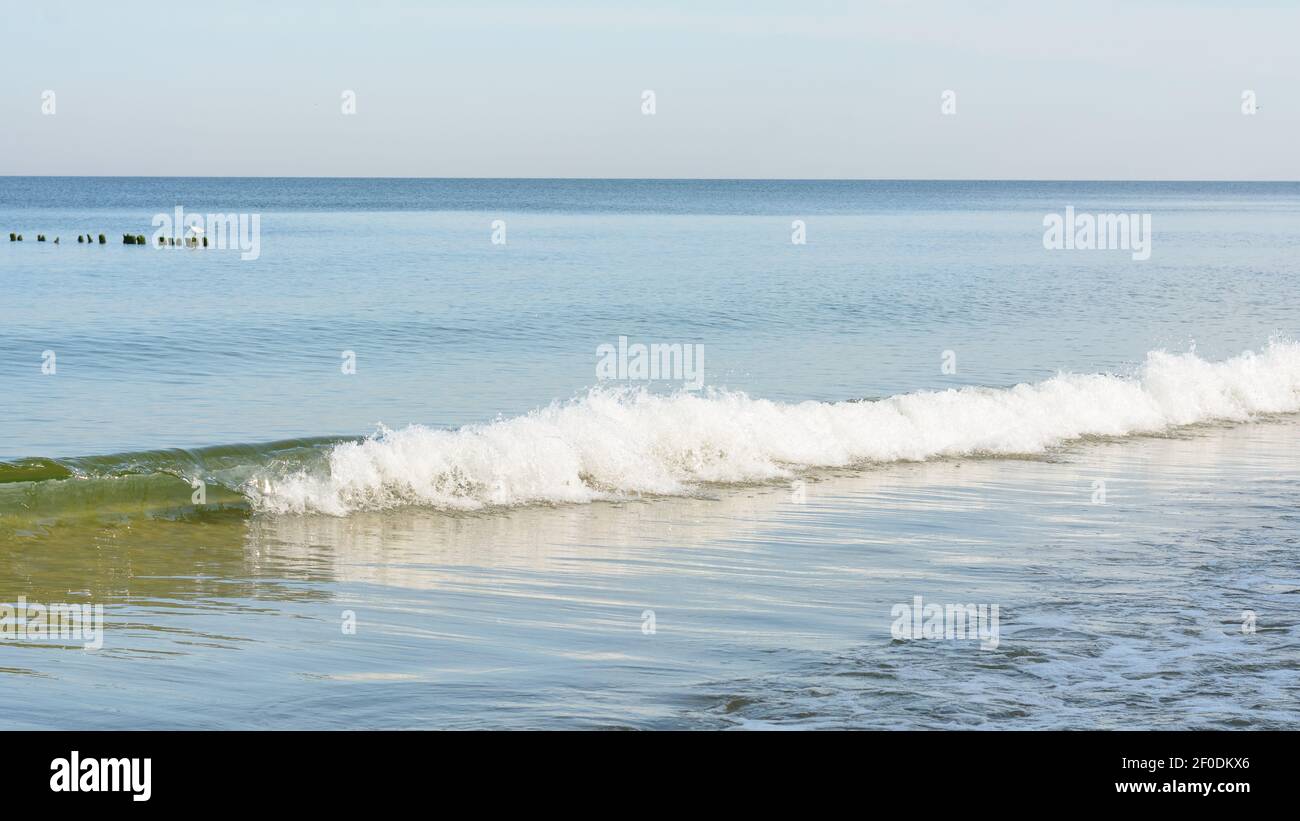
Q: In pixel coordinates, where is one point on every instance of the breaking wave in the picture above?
(612, 444)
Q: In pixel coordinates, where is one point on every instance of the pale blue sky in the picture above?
(1097, 90)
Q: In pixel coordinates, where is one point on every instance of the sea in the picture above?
(656, 454)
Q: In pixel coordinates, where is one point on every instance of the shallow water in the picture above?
(767, 612)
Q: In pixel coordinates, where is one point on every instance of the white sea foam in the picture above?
(614, 443)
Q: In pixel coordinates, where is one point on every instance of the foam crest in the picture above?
(612, 444)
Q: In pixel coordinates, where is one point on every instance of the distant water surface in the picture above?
(159, 349)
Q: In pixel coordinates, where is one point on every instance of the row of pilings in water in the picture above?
(127, 239)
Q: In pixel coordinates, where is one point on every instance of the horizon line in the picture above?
(629, 179)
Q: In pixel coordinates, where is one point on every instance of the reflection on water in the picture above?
(743, 608)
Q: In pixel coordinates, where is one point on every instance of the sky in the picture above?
(807, 89)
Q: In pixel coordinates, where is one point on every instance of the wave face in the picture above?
(610, 444)
(155, 482)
